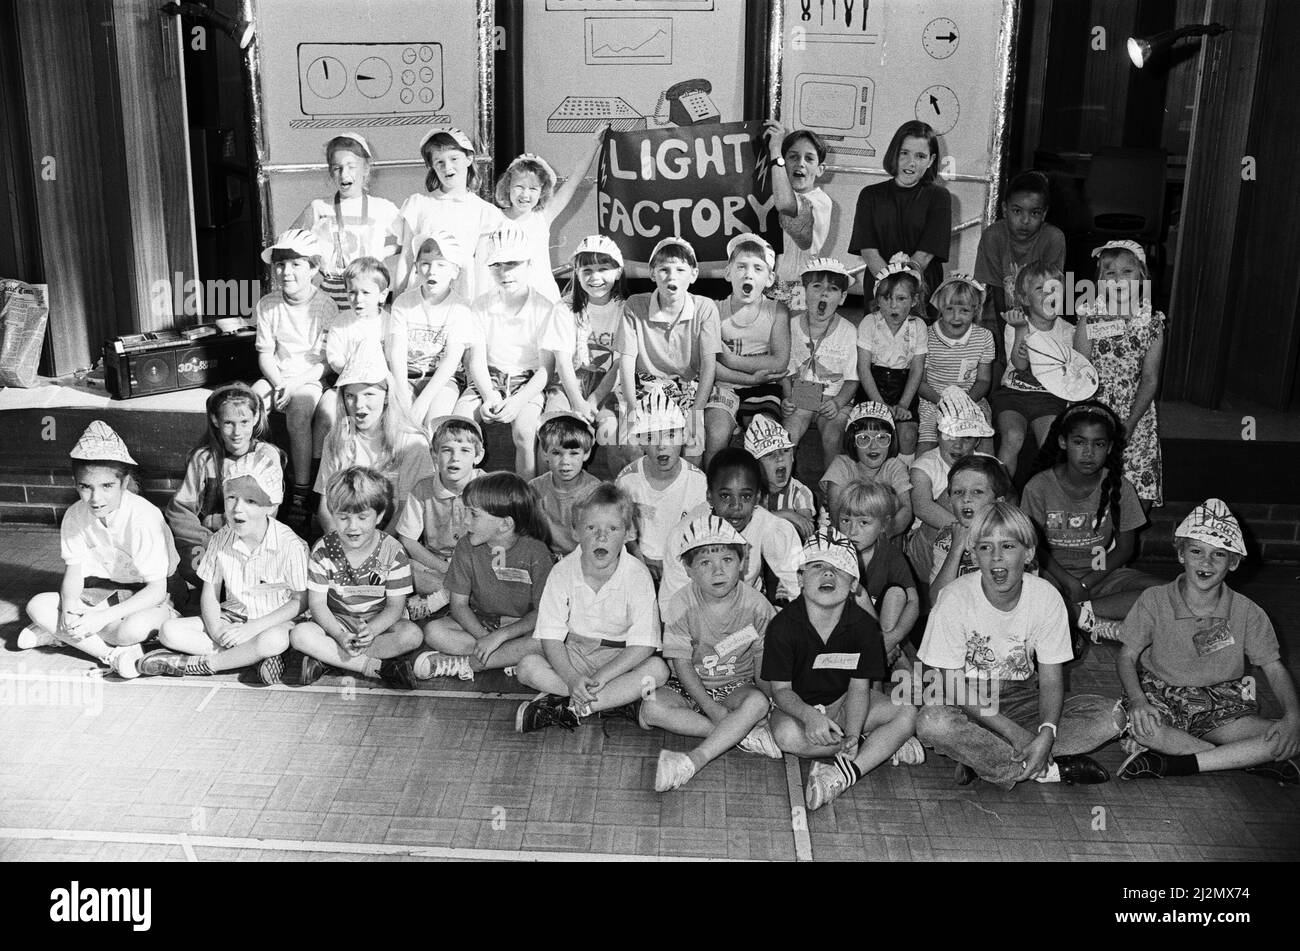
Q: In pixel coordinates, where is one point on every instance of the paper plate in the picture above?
(1061, 370)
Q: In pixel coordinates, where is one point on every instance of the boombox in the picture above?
(144, 364)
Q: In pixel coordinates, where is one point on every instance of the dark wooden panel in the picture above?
(1205, 282)
(1265, 288)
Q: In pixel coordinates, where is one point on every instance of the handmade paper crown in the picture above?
(710, 530)
(1132, 247)
(959, 416)
(834, 549)
(100, 443)
(263, 471)
(898, 264)
(766, 436)
(1212, 523)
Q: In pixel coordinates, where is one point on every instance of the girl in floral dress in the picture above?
(1124, 338)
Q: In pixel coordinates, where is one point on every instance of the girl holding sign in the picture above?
(911, 212)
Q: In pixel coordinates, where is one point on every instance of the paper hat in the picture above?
(829, 265)
(449, 246)
(457, 136)
(508, 243)
(871, 410)
(262, 472)
(1132, 247)
(99, 443)
(598, 244)
(300, 242)
(670, 242)
(710, 530)
(537, 159)
(657, 413)
(749, 237)
(365, 365)
(1062, 370)
(959, 416)
(832, 548)
(1212, 523)
(960, 279)
(564, 414)
(898, 264)
(357, 138)
(766, 436)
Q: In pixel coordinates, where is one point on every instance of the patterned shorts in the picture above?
(719, 693)
(1198, 710)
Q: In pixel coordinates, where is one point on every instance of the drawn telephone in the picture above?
(687, 103)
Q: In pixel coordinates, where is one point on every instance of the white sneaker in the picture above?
(760, 740)
(432, 664)
(911, 753)
(422, 606)
(674, 770)
(425, 665)
(125, 661)
(825, 782)
(33, 635)
(1106, 630)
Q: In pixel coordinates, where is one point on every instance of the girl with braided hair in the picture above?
(1086, 513)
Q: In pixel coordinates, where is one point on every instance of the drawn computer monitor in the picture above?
(838, 108)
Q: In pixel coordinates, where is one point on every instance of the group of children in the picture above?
(733, 603)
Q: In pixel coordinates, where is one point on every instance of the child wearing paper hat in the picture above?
(119, 555)
(431, 326)
(1191, 707)
(960, 425)
(869, 454)
(959, 353)
(784, 495)
(254, 575)
(293, 324)
(821, 654)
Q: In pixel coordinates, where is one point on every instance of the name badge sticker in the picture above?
(508, 574)
(1107, 328)
(734, 643)
(837, 661)
(1212, 635)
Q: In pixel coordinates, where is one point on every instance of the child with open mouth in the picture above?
(1000, 640)
(804, 209)
(959, 353)
(868, 455)
(784, 495)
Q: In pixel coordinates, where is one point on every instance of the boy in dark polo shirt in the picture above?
(820, 655)
(1191, 707)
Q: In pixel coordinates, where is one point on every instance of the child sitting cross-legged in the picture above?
(999, 718)
(567, 441)
(262, 566)
(784, 495)
(119, 555)
(597, 628)
(495, 582)
(1191, 707)
(821, 654)
(434, 517)
(358, 578)
(713, 635)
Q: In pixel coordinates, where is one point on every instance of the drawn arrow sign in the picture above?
(935, 104)
(951, 37)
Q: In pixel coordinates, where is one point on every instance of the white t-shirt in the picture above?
(537, 226)
(512, 340)
(792, 261)
(967, 632)
(617, 612)
(295, 333)
(560, 334)
(933, 464)
(772, 541)
(411, 462)
(429, 328)
(466, 216)
(658, 512)
(1062, 331)
(893, 351)
(371, 236)
(134, 547)
(350, 333)
(836, 357)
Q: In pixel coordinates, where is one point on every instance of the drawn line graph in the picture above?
(621, 41)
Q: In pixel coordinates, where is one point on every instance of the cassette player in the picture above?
(167, 361)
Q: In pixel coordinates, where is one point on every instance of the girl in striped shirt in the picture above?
(958, 353)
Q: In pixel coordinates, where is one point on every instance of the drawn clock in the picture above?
(940, 38)
(938, 106)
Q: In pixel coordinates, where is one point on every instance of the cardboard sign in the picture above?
(704, 183)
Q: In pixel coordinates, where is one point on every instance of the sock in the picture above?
(848, 769)
(1053, 774)
(1087, 617)
(907, 458)
(371, 668)
(1184, 765)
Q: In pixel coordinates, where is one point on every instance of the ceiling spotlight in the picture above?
(1141, 50)
(241, 31)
